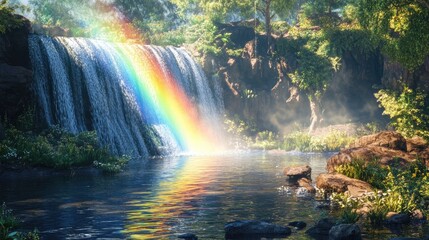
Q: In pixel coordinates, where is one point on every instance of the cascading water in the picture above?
(141, 100)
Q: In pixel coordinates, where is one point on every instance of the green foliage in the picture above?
(266, 140)
(8, 224)
(56, 148)
(351, 40)
(370, 172)
(7, 18)
(297, 141)
(304, 142)
(203, 34)
(404, 189)
(408, 111)
(401, 25)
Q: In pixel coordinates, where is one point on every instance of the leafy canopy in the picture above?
(402, 26)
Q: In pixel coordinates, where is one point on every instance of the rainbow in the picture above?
(154, 87)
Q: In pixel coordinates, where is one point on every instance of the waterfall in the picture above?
(141, 100)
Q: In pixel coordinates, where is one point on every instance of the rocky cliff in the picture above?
(15, 71)
(257, 87)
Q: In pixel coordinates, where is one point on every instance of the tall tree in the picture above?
(272, 8)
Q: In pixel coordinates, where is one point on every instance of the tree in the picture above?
(402, 26)
(315, 66)
(225, 10)
(7, 18)
(271, 8)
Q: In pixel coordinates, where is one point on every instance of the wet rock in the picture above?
(404, 238)
(401, 218)
(295, 173)
(322, 228)
(298, 224)
(306, 184)
(345, 232)
(188, 236)
(340, 183)
(250, 228)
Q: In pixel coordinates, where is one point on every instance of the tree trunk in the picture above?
(315, 117)
(267, 15)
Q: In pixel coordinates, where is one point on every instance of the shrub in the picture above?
(403, 189)
(8, 223)
(57, 148)
(407, 110)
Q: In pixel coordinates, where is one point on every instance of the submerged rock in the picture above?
(306, 184)
(340, 183)
(298, 224)
(251, 228)
(322, 228)
(295, 173)
(345, 232)
(188, 236)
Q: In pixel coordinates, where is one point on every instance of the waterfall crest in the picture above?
(141, 100)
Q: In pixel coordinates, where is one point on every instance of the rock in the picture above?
(340, 183)
(389, 148)
(387, 139)
(250, 228)
(306, 183)
(418, 215)
(188, 236)
(401, 218)
(298, 224)
(404, 238)
(15, 84)
(321, 228)
(2, 132)
(345, 232)
(298, 172)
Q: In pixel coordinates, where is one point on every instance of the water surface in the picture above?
(162, 198)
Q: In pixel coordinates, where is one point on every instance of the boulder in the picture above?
(15, 84)
(345, 232)
(251, 228)
(295, 173)
(322, 228)
(340, 183)
(306, 183)
(387, 139)
(298, 224)
(188, 236)
(388, 148)
(401, 218)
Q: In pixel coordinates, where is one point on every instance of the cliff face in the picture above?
(257, 87)
(394, 74)
(15, 71)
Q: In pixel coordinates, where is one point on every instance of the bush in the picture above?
(304, 142)
(56, 148)
(7, 18)
(8, 224)
(407, 110)
(402, 189)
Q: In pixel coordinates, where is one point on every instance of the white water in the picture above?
(83, 85)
